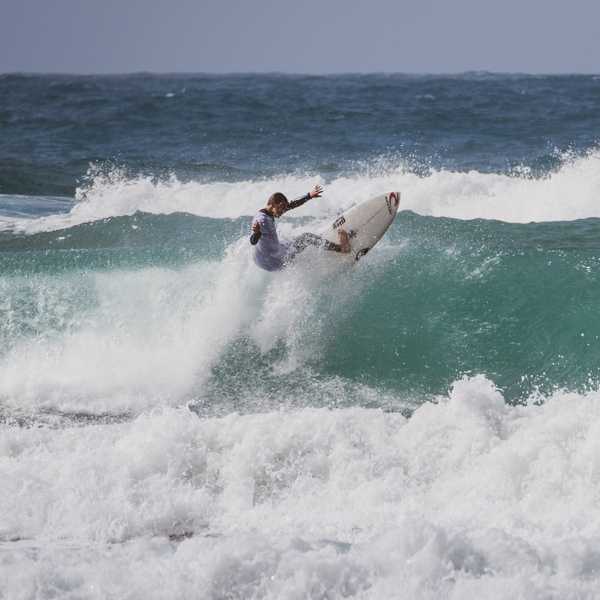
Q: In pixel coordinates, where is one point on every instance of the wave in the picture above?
(567, 194)
(123, 330)
(144, 294)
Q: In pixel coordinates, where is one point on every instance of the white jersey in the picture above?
(268, 254)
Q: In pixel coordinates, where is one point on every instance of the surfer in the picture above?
(271, 255)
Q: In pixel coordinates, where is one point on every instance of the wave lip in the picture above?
(568, 194)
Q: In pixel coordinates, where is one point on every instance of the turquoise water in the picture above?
(442, 298)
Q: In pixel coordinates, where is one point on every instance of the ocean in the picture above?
(177, 423)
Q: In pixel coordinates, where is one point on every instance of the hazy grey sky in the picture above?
(300, 36)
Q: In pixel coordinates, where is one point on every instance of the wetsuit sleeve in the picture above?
(256, 236)
(299, 201)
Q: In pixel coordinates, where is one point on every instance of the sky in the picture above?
(299, 36)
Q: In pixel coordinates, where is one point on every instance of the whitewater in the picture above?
(176, 423)
(468, 497)
(514, 197)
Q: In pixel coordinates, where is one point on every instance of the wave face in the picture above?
(176, 422)
(161, 306)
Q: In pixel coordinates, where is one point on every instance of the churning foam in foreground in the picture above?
(470, 498)
(569, 194)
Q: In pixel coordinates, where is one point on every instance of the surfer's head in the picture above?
(277, 204)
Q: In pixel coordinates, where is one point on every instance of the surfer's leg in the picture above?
(343, 246)
(306, 239)
(301, 243)
(310, 239)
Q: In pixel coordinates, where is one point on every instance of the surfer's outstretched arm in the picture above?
(316, 193)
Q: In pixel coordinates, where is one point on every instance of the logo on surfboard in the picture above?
(392, 201)
(339, 222)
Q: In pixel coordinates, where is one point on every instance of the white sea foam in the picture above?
(470, 498)
(126, 341)
(133, 339)
(568, 194)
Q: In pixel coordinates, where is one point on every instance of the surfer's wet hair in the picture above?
(278, 198)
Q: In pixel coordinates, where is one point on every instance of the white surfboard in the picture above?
(364, 223)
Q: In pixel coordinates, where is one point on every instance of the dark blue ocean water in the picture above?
(240, 127)
(242, 414)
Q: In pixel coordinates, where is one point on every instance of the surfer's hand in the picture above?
(316, 193)
(256, 227)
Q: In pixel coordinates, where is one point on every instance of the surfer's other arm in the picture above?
(256, 233)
